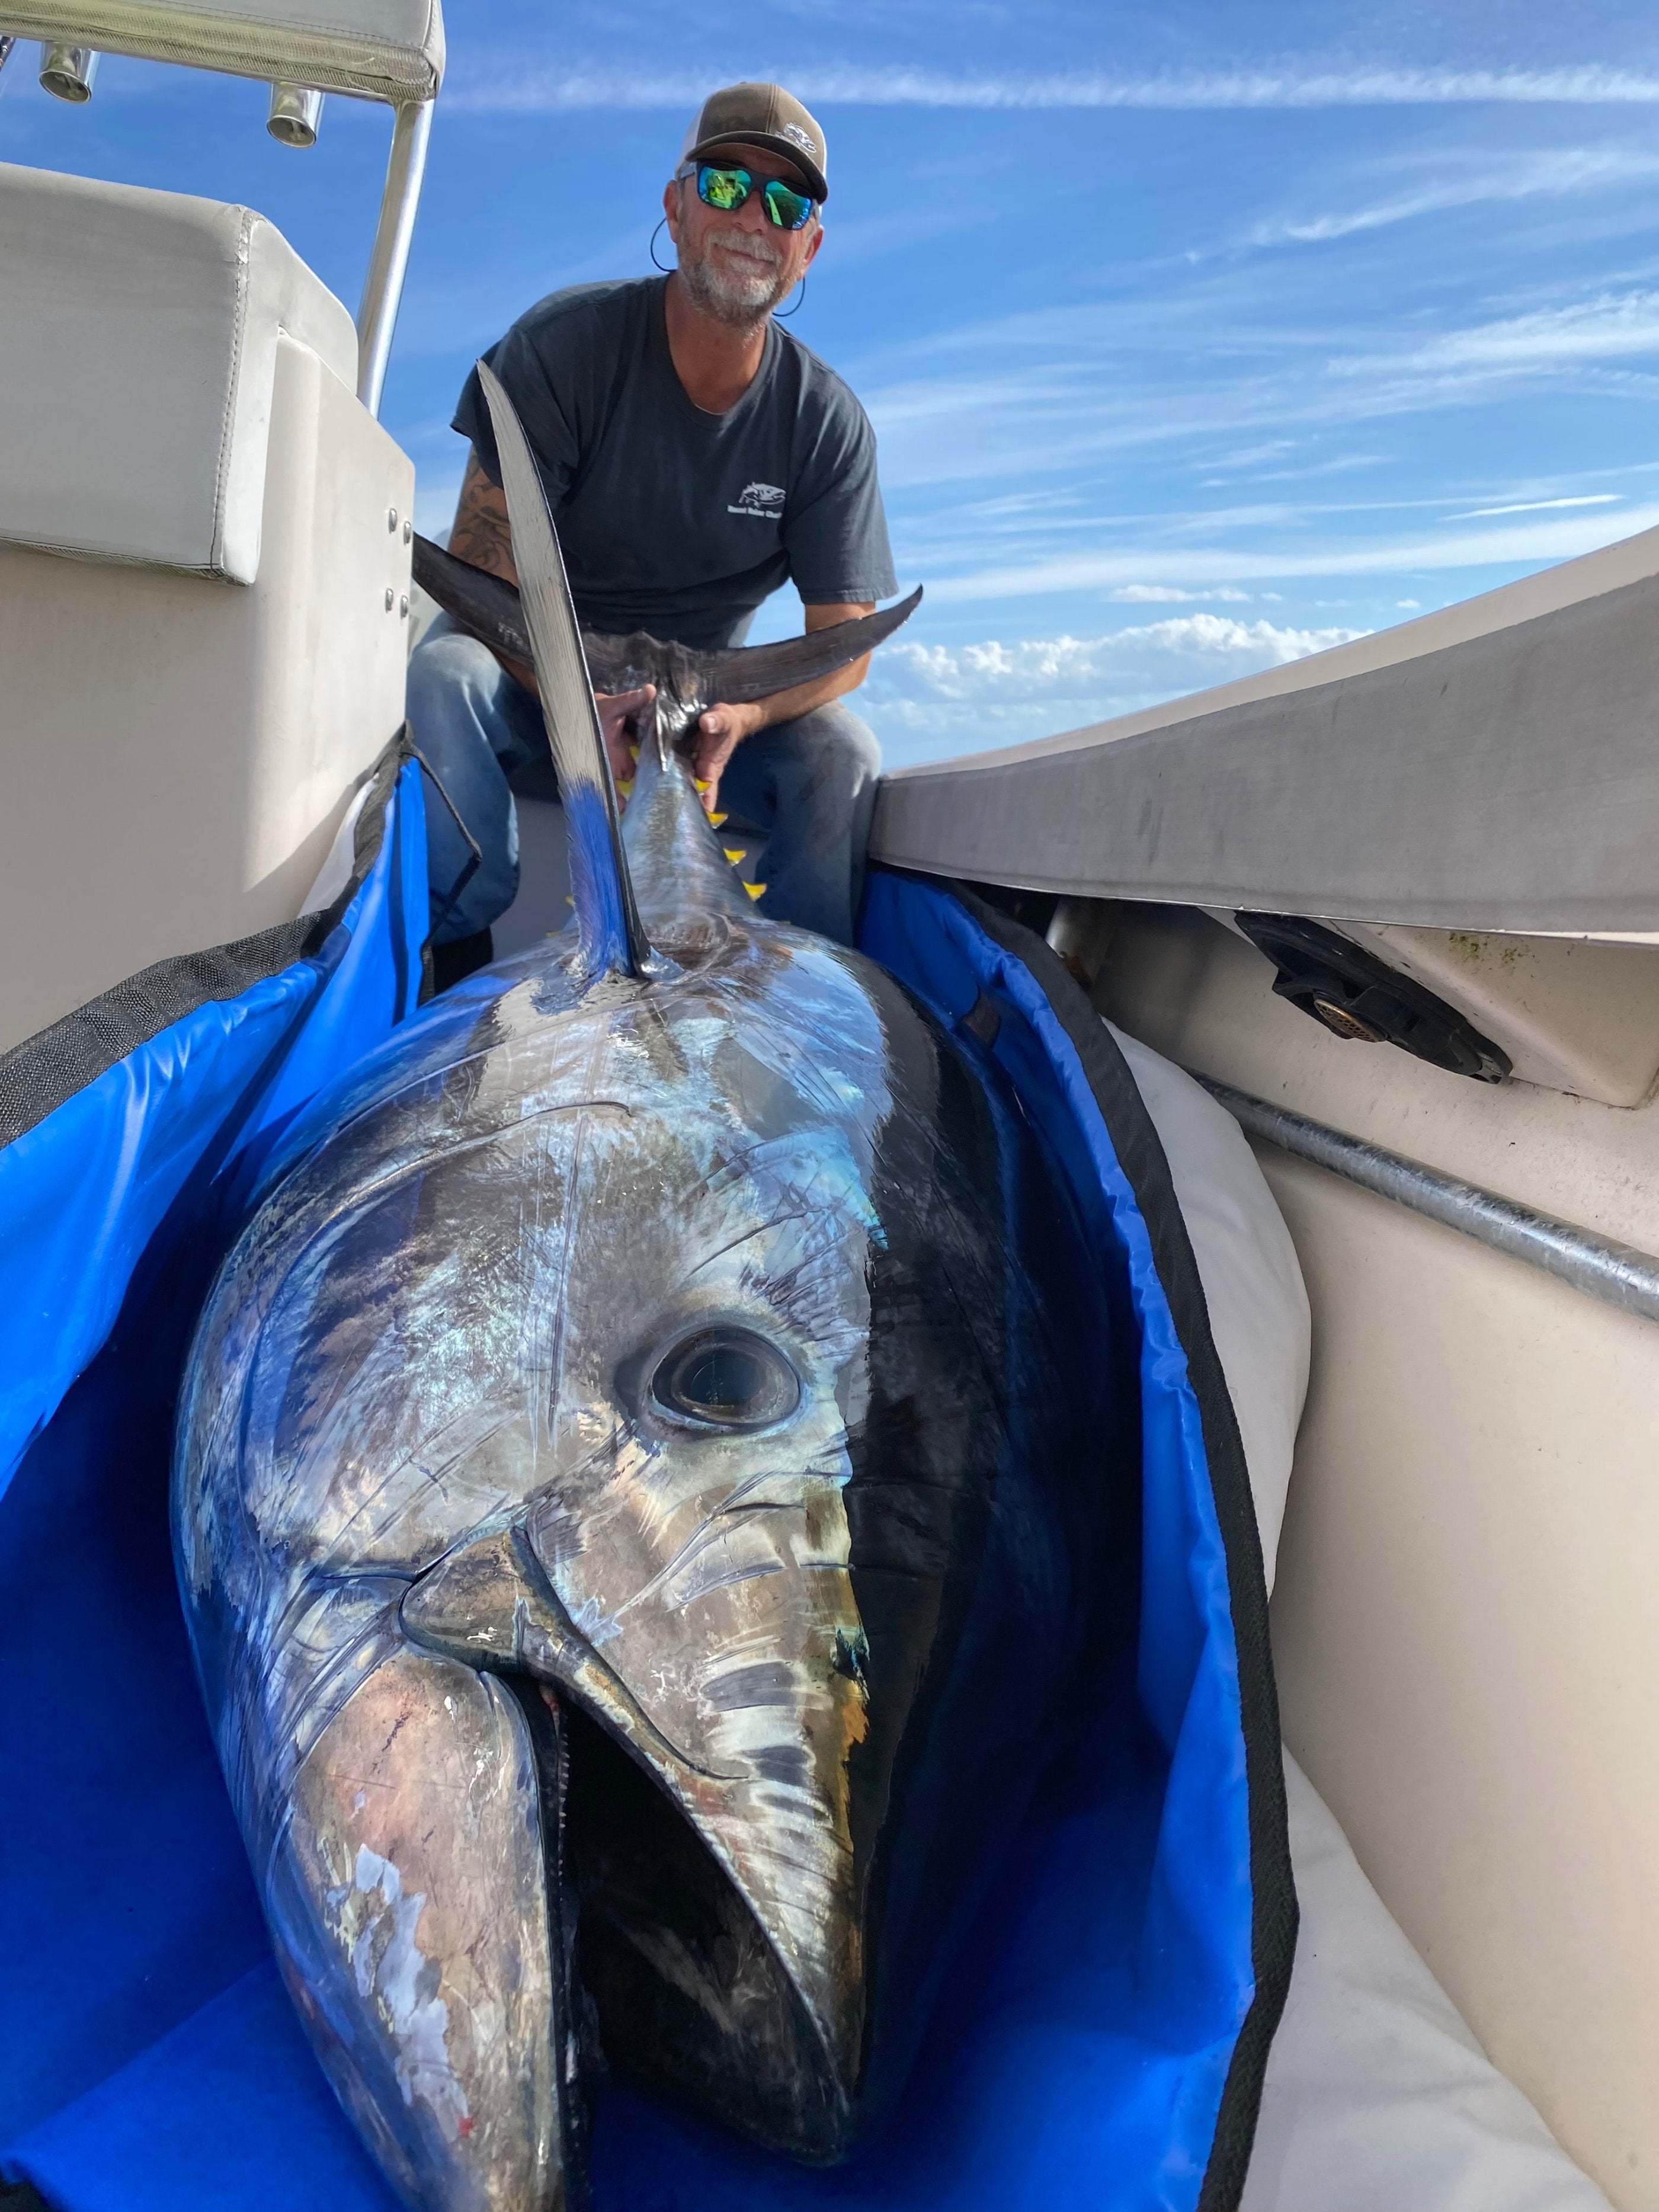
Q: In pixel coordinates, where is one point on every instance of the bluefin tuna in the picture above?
(645, 1503)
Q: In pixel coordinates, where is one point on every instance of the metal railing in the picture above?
(383, 287)
(1617, 1273)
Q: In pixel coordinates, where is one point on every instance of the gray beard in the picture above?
(721, 287)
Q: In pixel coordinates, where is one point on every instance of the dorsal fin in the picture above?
(609, 933)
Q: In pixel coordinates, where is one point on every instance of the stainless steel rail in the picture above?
(383, 287)
(1617, 1273)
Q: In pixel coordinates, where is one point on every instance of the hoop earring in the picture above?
(788, 314)
(666, 267)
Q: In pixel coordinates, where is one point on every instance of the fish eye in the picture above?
(724, 1378)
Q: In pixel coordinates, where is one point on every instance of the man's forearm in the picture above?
(481, 532)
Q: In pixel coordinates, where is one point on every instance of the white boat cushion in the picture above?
(1248, 1265)
(1377, 2098)
(137, 349)
(390, 50)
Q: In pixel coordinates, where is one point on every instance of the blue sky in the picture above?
(1195, 337)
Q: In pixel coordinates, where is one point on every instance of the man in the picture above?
(696, 456)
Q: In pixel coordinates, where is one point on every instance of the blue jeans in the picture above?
(804, 789)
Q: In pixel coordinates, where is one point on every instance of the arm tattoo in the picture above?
(480, 533)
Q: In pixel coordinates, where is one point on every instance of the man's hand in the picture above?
(720, 731)
(619, 712)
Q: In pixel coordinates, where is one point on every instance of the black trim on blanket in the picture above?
(38, 1075)
(1273, 1888)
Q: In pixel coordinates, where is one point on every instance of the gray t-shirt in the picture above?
(674, 520)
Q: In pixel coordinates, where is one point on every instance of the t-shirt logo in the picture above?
(764, 501)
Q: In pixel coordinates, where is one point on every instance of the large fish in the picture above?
(645, 1500)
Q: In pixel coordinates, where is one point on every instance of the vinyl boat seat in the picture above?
(202, 582)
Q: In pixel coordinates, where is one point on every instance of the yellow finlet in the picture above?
(625, 785)
(735, 853)
(699, 784)
(717, 821)
(755, 890)
(568, 901)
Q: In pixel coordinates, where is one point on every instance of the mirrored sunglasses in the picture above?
(727, 189)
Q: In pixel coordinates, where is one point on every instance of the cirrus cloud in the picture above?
(505, 82)
(1172, 594)
(1555, 174)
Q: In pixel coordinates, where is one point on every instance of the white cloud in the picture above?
(1554, 174)
(1611, 326)
(524, 83)
(1074, 390)
(1538, 506)
(928, 701)
(1166, 594)
(1070, 667)
(1522, 546)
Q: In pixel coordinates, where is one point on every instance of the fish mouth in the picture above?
(682, 1974)
(492, 1602)
(690, 1995)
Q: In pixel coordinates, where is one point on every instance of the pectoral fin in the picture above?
(415, 1921)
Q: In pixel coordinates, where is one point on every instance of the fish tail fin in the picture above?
(609, 933)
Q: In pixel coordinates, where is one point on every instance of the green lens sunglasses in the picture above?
(727, 189)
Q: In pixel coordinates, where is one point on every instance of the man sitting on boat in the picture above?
(696, 457)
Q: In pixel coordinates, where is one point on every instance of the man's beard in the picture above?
(738, 281)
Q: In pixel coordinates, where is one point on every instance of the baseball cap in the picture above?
(761, 115)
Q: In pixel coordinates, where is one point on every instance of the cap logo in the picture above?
(797, 137)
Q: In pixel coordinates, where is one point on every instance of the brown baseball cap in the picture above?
(761, 115)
